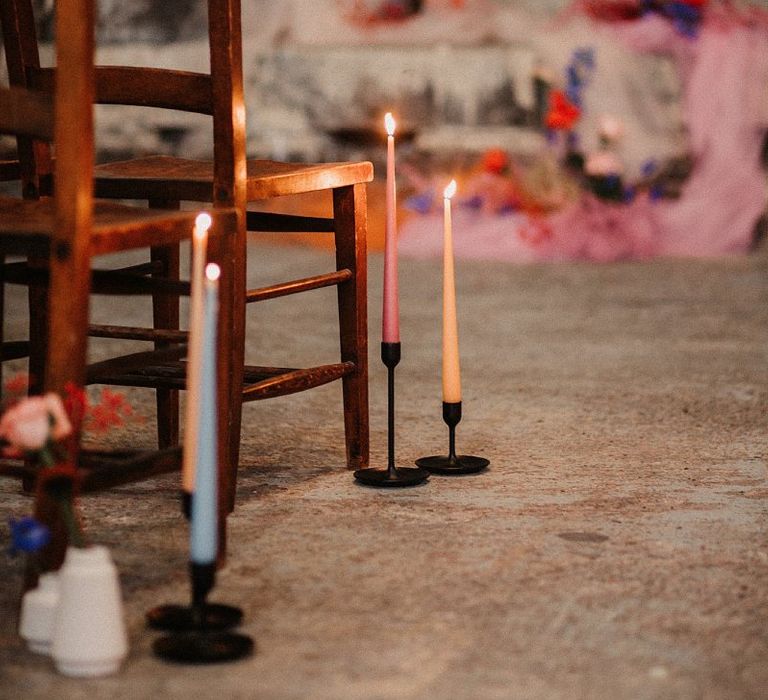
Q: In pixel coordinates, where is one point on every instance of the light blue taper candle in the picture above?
(204, 526)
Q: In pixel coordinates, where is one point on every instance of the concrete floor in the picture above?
(616, 548)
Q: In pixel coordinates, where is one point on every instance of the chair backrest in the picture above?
(22, 56)
(26, 113)
(218, 93)
(62, 115)
(63, 227)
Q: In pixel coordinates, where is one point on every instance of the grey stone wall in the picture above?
(315, 88)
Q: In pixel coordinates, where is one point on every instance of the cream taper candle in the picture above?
(194, 344)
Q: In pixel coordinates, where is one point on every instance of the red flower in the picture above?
(611, 10)
(495, 160)
(17, 385)
(111, 412)
(563, 114)
(75, 403)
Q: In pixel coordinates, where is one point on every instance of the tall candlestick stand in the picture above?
(392, 475)
(197, 631)
(200, 615)
(185, 499)
(452, 463)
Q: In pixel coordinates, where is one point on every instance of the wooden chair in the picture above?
(166, 181)
(71, 228)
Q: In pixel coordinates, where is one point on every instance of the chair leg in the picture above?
(38, 341)
(38, 329)
(51, 557)
(350, 215)
(68, 307)
(165, 312)
(2, 317)
(237, 247)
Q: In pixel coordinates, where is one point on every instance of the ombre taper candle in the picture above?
(204, 526)
(451, 370)
(392, 476)
(201, 624)
(452, 463)
(390, 323)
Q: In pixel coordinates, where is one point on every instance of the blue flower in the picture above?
(585, 56)
(683, 16)
(649, 167)
(577, 73)
(475, 202)
(573, 94)
(421, 203)
(646, 6)
(572, 75)
(28, 535)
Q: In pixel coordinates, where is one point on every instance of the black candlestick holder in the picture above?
(200, 616)
(186, 503)
(452, 463)
(392, 476)
(197, 632)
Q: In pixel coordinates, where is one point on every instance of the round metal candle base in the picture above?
(403, 476)
(203, 647)
(443, 464)
(179, 618)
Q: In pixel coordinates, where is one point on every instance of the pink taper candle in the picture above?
(390, 326)
(194, 346)
(451, 374)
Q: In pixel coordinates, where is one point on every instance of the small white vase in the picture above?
(38, 613)
(89, 636)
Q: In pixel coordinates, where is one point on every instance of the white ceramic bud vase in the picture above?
(38, 613)
(89, 637)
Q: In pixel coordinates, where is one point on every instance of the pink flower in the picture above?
(29, 424)
(610, 127)
(603, 163)
(26, 426)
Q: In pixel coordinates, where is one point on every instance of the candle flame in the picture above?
(450, 190)
(389, 123)
(212, 271)
(202, 224)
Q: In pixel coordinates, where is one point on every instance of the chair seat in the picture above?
(167, 177)
(116, 227)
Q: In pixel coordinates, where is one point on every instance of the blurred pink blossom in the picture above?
(29, 424)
